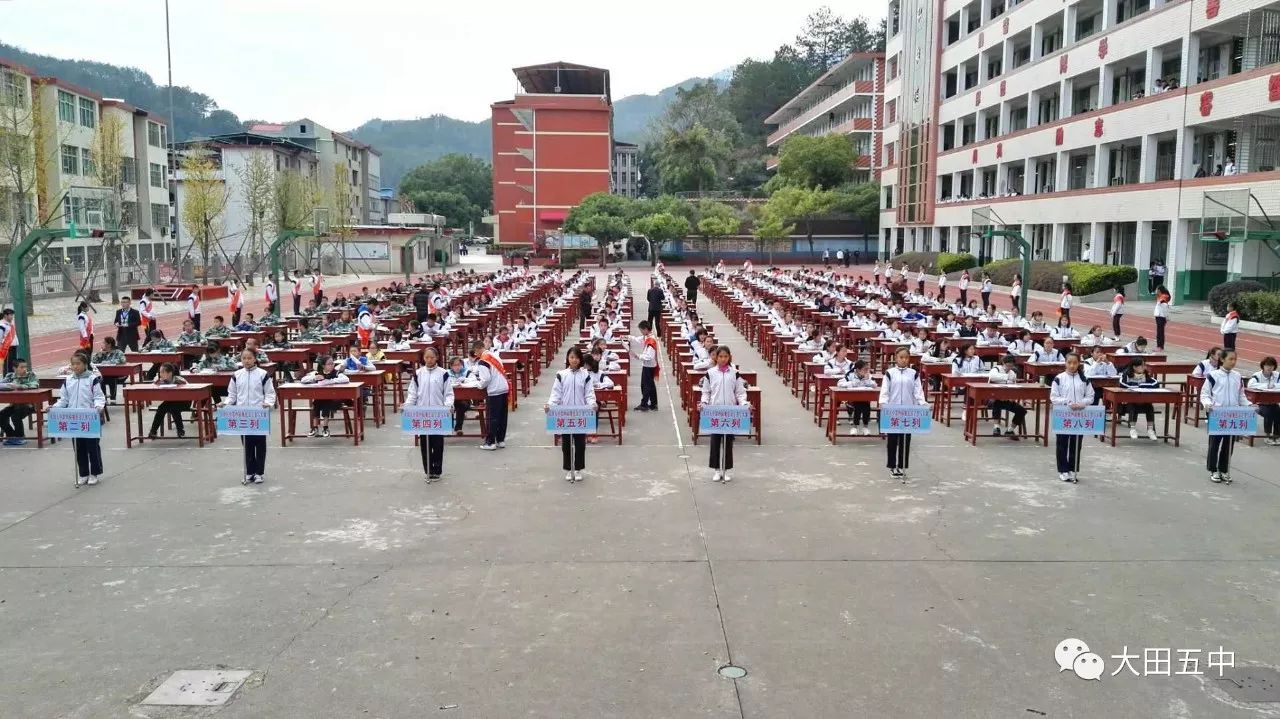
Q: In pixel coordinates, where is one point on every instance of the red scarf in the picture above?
(649, 341)
(6, 342)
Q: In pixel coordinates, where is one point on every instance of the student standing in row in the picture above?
(297, 292)
(1015, 292)
(964, 287)
(1066, 302)
(492, 377)
(645, 348)
(1161, 313)
(8, 340)
(1070, 389)
(1223, 389)
(84, 322)
(82, 389)
(722, 386)
(431, 386)
(251, 386)
(1230, 327)
(1117, 312)
(901, 386)
(573, 388)
(1266, 379)
(986, 290)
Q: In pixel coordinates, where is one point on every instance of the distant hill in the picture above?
(404, 144)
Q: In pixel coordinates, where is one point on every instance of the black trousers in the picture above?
(174, 410)
(942, 293)
(692, 297)
(1015, 299)
(13, 417)
(1229, 340)
(495, 407)
(123, 343)
(1017, 410)
(1068, 452)
(899, 451)
(195, 322)
(109, 385)
(1160, 323)
(271, 308)
(10, 360)
(1115, 324)
(1147, 409)
(648, 387)
(986, 300)
(432, 448)
(460, 408)
(722, 443)
(860, 412)
(297, 304)
(920, 287)
(235, 318)
(1220, 448)
(1270, 419)
(1066, 313)
(574, 449)
(255, 453)
(655, 320)
(88, 457)
(964, 297)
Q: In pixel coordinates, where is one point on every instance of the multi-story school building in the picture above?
(1097, 128)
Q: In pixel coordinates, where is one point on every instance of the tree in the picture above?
(455, 206)
(258, 197)
(801, 204)
(203, 203)
(660, 229)
(760, 87)
(343, 212)
(828, 38)
(294, 197)
(716, 220)
(824, 162)
(107, 155)
(460, 174)
(701, 104)
(770, 229)
(692, 159)
(604, 216)
(863, 202)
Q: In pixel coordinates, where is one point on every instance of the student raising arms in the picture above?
(1070, 389)
(573, 387)
(432, 387)
(901, 386)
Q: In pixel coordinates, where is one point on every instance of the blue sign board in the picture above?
(906, 419)
(1090, 420)
(725, 419)
(243, 421)
(426, 420)
(571, 420)
(1233, 421)
(68, 423)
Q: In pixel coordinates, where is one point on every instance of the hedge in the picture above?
(1086, 278)
(942, 261)
(1222, 295)
(1261, 307)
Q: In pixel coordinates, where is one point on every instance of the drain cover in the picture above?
(197, 688)
(729, 671)
(1250, 684)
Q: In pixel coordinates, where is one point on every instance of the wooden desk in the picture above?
(977, 395)
(1114, 398)
(611, 402)
(287, 394)
(128, 371)
(1261, 397)
(943, 400)
(391, 369)
(839, 397)
(200, 395)
(37, 398)
(155, 359)
(374, 380)
(1038, 371)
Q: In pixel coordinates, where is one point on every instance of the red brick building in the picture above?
(552, 146)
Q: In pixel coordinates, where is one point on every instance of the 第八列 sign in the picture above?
(1090, 420)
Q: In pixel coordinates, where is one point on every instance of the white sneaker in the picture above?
(1075, 477)
(248, 479)
(259, 479)
(502, 445)
(1151, 435)
(1215, 477)
(853, 431)
(568, 476)
(866, 431)
(81, 481)
(93, 480)
(716, 476)
(577, 476)
(1133, 433)
(488, 447)
(1064, 476)
(728, 477)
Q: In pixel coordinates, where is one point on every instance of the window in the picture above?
(888, 154)
(128, 214)
(88, 113)
(892, 108)
(88, 167)
(160, 219)
(128, 171)
(157, 175)
(14, 90)
(153, 135)
(302, 129)
(66, 106)
(70, 160)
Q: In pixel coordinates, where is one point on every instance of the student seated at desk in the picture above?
(1136, 347)
(826, 352)
(969, 329)
(1064, 330)
(1047, 353)
(858, 377)
(168, 377)
(702, 348)
(991, 337)
(248, 325)
(1036, 322)
(218, 330)
(1138, 376)
(1212, 361)
(13, 416)
(838, 365)
(1024, 345)
(601, 331)
(110, 355)
(891, 331)
(1099, 365)
(968, 362)
(921, 344)
(1266, 379)
(610, 357)
(949, 324)
(1093, 337)
(1006, 372)
(250, 345)
(328, 374)
(398, 342)
(813, 342)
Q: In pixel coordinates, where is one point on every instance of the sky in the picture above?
(342, 62)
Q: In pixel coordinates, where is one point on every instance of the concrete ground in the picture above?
(353, 589)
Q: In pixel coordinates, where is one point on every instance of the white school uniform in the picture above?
(1223, 388)
(430, 388)
(82, 392)
(901, 386)
(573, 388)
(251, 388)
(1068, 389)
(723, 388)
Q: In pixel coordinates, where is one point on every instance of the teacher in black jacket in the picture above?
(654, 295)
(127, 322)
(691, 284)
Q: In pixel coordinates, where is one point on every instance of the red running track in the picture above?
(54, 349)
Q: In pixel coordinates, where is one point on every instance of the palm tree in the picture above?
(691, 159)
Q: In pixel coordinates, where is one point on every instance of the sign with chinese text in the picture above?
(571, 420)
(906, 419)
(243, 421)
(67, 423)
(426, 420)
(1233, 421)
(725, 419)
(1090, 420)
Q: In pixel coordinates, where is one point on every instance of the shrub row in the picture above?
(1260, 307)
(1086, 278)
(937, 261)
(1227, 292)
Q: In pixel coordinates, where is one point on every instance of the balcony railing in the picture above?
(856, 88)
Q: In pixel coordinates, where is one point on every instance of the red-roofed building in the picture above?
(552, 146)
